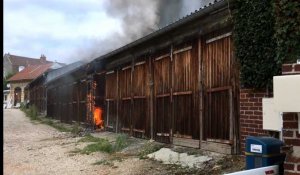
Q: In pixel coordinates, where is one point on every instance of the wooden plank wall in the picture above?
(175, 103)
(194, 89)
(37, 97)
(190, 89)
(67, 101)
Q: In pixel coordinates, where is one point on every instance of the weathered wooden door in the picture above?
(162, 98)
(82, 101)
(186, 122)
(111, 98)
(125, 99)
(140, 116)
(217, 79)
(75, 102)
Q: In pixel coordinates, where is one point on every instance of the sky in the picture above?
(59, 29)
(71, 30)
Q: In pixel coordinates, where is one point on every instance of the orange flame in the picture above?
(98, 117)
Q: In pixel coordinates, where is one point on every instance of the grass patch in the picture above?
(31, 112)
(121, 142)
(90, 138)
(104, 162)
(102, 146)
(76, 129)
(116, 157)
(59, 126)
(76, 150)
(148, 148)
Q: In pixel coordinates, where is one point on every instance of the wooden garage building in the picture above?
(177, 85)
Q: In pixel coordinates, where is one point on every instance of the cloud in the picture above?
(72, 30)
(54, 28)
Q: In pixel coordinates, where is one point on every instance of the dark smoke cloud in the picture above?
(139, 18)
(171, 10)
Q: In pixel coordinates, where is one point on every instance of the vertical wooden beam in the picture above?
(151, 101)
(235, 97)
(78, 89)
(46, 99)
(131, 94)
(118, 101)
(171, 94)
(200, 83)
(230, 116)
(107, 114)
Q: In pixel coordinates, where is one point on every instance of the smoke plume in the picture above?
(139, 18)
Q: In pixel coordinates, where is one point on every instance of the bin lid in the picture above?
(263, 145)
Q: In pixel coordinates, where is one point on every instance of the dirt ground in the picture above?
(32, 148)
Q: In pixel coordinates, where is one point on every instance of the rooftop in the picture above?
(21, 60)
(31, 72)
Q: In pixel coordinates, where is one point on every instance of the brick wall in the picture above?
(290, 69)
(291, 138)
(251, 114)
(290, 131)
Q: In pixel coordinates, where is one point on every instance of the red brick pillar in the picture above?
(251, 114)
(291, 138)
(290, 131)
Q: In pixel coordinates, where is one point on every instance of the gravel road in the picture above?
(38, 149)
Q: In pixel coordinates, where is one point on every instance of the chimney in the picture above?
(43, 58)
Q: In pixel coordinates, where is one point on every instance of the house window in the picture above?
(21, 68)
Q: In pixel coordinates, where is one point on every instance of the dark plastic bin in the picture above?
(263, 151)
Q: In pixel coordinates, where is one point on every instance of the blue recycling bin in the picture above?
(263, 151)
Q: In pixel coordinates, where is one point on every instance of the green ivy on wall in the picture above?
(266, 34)
(287, 30)
(254, 42)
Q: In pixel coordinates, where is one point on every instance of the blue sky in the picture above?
(57, 28)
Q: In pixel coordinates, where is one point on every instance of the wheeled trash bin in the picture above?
(263, 151)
